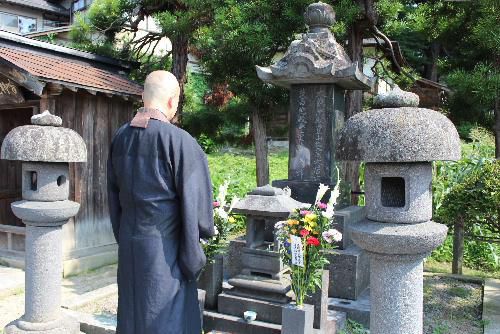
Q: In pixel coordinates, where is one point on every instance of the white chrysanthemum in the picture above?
(221, 196)
(221, 213)
(321, 192)
(216, 230)
(332, 235)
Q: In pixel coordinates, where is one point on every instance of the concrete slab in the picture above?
(491, 306)
(11, 281)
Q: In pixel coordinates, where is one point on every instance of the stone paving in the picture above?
(491, 306)
(76, 290)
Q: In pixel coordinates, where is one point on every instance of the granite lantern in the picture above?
(317, 71)
(45, 149)
(398, 143)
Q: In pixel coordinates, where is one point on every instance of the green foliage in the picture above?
(352, 327)
(458, 188)
(212, 125)
(346, 13)
(239, 168)
(248, 33)
(474, 94)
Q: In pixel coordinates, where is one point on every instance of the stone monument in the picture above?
(45, 148)
(262, 285)
(317, 71)
(398, 143)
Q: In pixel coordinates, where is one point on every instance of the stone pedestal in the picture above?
(43, 313)
(396, 254)
(211, 280)
(298, 320)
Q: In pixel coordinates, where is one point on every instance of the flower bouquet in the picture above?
(223, 221)
(303, 238)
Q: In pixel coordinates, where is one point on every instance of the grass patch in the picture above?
(239, 168)
(433, 266)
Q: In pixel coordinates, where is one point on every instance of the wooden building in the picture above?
(94, 98)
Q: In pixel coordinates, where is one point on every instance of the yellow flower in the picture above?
(311, 217)
(232, 220)
(294, 230)
(292, 222)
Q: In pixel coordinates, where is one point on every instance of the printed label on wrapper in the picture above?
(297, 251)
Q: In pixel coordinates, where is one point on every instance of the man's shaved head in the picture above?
(161, 91)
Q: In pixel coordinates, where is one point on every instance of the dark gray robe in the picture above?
(160, 203)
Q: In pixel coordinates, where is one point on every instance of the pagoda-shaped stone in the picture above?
(317, 71)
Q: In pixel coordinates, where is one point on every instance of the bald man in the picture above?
(160, 204)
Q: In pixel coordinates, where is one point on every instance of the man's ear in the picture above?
(170, 103)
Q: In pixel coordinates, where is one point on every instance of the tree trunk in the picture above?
(458, 247)
(354, 105)
(497, 127)
(431, 68)
(179, 69)
(261, 151)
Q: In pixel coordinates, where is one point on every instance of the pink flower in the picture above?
(216, 204)
(322, 206)
(304, 232)
(304, 212)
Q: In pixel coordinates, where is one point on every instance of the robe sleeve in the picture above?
(194, 189)
(114, 206)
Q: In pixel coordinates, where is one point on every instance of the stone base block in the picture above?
(232, 324)
(357, 310)
(210, 281)
(236, 305)
(349, 272)
(297, 320)
(232, 258)
(65, 325)
(263, 288)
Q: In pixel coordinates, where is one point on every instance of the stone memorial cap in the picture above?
(44, 141)
(268, 201)
(316, 58)
(399, 132)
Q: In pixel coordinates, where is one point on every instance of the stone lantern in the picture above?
(398, 144)
(45, 149)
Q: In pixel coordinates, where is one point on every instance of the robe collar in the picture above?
(143, 116)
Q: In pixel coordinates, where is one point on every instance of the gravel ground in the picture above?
(452, 306)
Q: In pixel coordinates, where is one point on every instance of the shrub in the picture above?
(476, 202)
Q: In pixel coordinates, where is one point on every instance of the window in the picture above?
(81, 5)
(17, 24)
(26, 24)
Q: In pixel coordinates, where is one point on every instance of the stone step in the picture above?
(357, 310)
(236, 305)
(232, 324)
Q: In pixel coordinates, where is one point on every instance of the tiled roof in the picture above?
(69, 72)
(47, 6)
